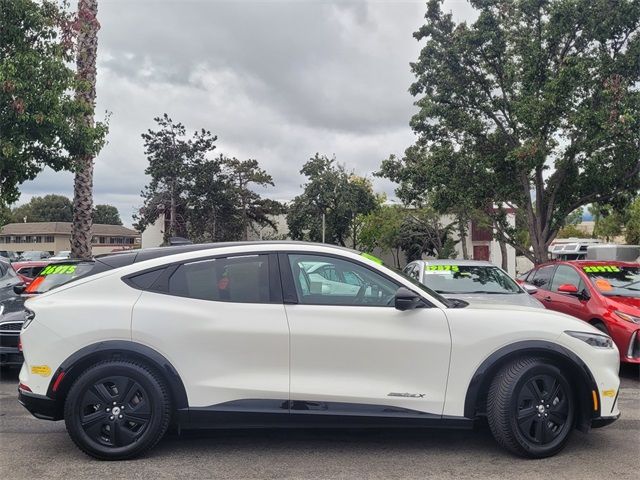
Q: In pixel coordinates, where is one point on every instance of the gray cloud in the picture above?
(275, 80)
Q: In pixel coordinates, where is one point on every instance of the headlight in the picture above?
(594, 339)
(627, 317)
(29, 315)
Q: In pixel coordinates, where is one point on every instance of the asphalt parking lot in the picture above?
(35, 449)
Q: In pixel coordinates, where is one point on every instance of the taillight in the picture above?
(23, 387)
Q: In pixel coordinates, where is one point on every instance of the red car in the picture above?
(605, 294)
(27, 271)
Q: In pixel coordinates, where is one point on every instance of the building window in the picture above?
(48, 239)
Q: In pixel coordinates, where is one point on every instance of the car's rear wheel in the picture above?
(531, 408)
(117, 409)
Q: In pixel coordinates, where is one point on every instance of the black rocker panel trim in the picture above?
(525, 347)
(78, 361)
(258, 413)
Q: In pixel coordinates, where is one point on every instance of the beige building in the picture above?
(56, 236)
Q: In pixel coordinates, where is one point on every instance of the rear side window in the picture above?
(145, 281)
(243, 279)
(542, 277)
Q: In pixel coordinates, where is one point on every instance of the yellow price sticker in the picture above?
(44, 370)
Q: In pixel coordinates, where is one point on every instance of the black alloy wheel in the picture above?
(117, 409)
(531, 407)
(543, 409)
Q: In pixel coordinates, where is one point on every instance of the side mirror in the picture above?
(530, 289)
(568, 289)
(19, 288)
(406, 299)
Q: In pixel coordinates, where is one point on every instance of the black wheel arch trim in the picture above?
(81, 359)
(489, 366)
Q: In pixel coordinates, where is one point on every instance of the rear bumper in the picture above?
(604, 421)
(40, 406)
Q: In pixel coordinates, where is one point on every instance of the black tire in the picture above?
(531, 408)
(117, 409)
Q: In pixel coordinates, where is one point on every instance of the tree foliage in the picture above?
(534, 106)
(40, 119)
(340, 195)
(205, 199)
(50, 208)
(106, 214)
(632, 225)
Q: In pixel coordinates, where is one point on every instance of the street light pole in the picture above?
(323, 223)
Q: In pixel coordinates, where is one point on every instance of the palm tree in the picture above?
(87, 48)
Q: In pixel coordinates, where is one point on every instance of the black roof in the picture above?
(129, 257)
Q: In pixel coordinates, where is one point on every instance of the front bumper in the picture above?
(604, 421)
(40, 406)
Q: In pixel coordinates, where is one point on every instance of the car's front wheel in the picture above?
(531, 408)
(117, 409)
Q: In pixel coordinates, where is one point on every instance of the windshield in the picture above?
(615, 280)
(424, 288)
(33, 255)
(58, 274)
(463, 279)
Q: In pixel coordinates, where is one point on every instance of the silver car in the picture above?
(471, 280)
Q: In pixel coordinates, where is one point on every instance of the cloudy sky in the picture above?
(276, 81)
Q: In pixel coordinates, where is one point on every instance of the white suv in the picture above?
(242, 335)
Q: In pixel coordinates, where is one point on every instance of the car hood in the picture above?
(630, 304)
(13, 304)
(518, 299)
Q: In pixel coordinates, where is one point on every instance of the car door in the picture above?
(355, 354)
(577, 306)
(221, 323)
(541, 279)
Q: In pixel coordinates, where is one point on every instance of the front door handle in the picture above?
(547, 298)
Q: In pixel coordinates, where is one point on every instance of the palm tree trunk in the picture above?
(83, 182)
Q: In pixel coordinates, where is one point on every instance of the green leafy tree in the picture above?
(221, 203)
(380, 230)
(50, 208)
(106, 214)
(608, 222)
(422, 232)
(570, 231)
(171, 157)
(40, 118)
(632, 225)
(535, 106)
(5, 214)
(335, 193)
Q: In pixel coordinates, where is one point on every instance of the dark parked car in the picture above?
(11, 315)
(34, 255)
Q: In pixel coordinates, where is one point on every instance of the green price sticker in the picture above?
(442, 268)
(601, 269)
(58, 270)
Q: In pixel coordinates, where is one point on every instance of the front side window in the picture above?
(349, 284)
(542, 277)
(566, 275)
(241, 279)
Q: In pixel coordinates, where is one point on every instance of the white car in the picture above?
(229, 335)
(475, 281)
